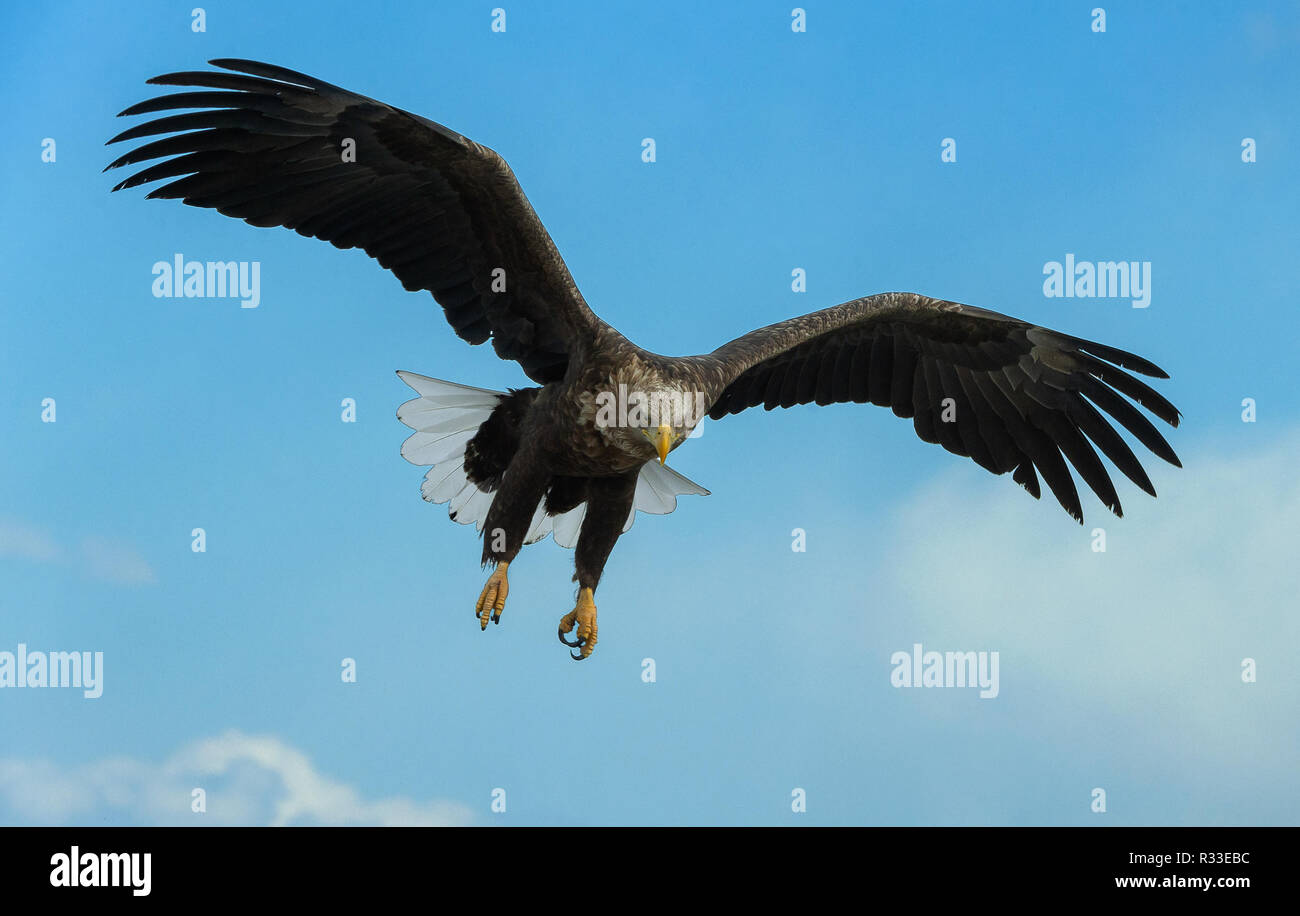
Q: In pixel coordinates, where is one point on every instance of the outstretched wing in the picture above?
(1006, 393)
(278, 148)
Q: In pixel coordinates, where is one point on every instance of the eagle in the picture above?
(584, 448)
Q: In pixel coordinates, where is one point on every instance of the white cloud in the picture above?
(112, 561)
(21, 540)
(1154, 630)
(106, 559)
(249, 780)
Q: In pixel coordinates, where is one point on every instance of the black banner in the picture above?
(336, 864)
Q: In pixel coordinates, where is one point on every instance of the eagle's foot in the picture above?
(584, 618)
(492, 600)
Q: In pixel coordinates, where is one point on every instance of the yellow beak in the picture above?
(664, 441)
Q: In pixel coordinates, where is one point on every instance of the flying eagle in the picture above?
(578, 454)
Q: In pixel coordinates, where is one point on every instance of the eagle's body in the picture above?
(577, 455)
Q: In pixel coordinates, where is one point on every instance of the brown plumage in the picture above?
(278, 148)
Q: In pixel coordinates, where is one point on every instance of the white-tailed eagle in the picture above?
(582, 450)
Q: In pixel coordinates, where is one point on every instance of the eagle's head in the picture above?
(646, 416)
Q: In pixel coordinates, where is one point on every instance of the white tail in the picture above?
(446, 416)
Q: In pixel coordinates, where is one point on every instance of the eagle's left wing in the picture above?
(1010, 395)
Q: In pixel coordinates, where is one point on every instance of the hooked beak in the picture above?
(664, 441)
(662, 438)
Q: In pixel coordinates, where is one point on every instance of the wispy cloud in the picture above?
(103, 558)
(113, 561)
(248, 780)
(1155, 628)
(21, 540)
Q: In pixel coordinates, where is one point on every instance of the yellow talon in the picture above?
(584, 618)
(492, 600)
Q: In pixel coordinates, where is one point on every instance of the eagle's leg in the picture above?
(522, 488)
(492, 600)
(609, 500)
(583, 616)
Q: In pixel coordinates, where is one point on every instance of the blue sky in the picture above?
(775, 150)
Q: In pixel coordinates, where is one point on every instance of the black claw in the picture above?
(578, 658)
(496, 618)
(577, 643)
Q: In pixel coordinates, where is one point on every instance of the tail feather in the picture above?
(447, 415)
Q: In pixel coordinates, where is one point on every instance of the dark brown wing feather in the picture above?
(1023, 398)
(438, 210)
